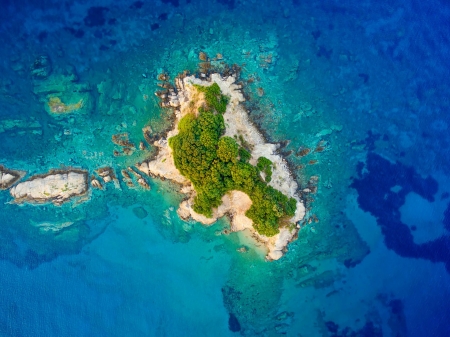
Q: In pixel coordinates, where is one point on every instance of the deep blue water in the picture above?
(363, 85)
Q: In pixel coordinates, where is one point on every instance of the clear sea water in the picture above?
(364, 85)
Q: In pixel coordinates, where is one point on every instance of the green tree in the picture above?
(215, 165)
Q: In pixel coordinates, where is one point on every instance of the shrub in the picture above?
(214, 98)
(265, 165)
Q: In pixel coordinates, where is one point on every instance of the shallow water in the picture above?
(364, 87)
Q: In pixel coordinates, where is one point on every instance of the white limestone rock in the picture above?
(56, 187)
(9, 177)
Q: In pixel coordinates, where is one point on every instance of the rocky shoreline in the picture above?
(184, 99)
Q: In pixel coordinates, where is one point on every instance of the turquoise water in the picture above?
(363, 86)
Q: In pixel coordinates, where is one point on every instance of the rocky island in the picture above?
(223, 163)
(56, 186)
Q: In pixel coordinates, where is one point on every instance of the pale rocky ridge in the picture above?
(55, 186)
(234, 203)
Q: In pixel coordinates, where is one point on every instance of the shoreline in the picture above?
(237, 122)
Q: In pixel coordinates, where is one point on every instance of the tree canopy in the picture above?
(216, 164)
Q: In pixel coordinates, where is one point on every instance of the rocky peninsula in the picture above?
(56, 186)
(189, 97)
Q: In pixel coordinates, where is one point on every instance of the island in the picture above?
(223, 163)
(56, 186)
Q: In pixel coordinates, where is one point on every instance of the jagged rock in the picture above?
(143, 167)
(127, 151)
(95, 183)
(56, 187)
(142, 146)
(107, 174)
(125, 174)
(202, 56)
(143, 183)
(9, 177)
(147, 131)
(163, 77)
(137, 175)
(122, 139)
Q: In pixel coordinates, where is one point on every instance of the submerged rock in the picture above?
(41, 68)
(21, 126)
(233, 323)
(52, 226)
(56, 187)
(140, 212)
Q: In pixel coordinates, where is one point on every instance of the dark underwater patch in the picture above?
(365, 77)
(446, 220)
(174, 3)
(78, 33)
(368, 330)
(140, 212)
(233, 323)
(42, 36)
(370, 140)
(162, 16)
(96, 16)
(137, 5)
(316, 34)
(324, 52)
(229, 3)
(375, 196)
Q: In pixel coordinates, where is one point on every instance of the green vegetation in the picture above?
(244, 142)
(214, 98)
(265, 165)
(216, 164)
(244, 155)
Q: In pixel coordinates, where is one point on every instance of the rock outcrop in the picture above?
(56, 187)
(9, 177)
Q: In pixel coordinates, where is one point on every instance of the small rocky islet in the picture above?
(184, 97)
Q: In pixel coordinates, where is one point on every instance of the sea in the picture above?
(357, 94)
